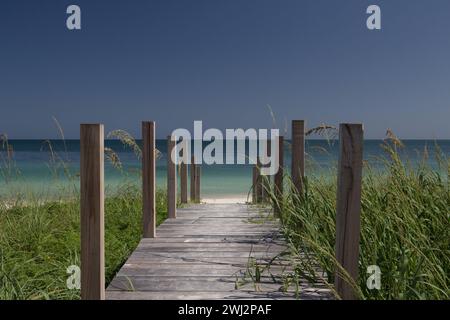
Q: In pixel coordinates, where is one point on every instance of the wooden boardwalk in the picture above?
(214, 251)
(211, 251)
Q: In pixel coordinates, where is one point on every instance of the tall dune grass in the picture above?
(405, 227)
(40, 237)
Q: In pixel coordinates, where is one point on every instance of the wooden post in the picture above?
(298, 154)
(92, 211)
(259, 187)
(171, 180)
(192, 187)
(198, 173)
(348, 206)
(259, 184)
(254, 184)
(148, 179)
(265, 179)
(184, 175)
(183, 182)
(279, 176)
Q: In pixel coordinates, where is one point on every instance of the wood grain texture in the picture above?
(192, 184)
(278, 179)
(184, 177)
(298, 154)
(198, 174)
(148, 179)
(197, 295)
(206, 253)
(92, 211)
(184, 183)
(171, 180)
(254, 184)
(348, 205)
(259, 182)
(267, 179)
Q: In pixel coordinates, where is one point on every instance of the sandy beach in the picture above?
(225, 200)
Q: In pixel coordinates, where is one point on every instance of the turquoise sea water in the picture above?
(34, 169)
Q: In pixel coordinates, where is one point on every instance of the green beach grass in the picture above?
(405, 227)
(40, 233)
(39, 241)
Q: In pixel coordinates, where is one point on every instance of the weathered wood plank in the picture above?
(235, 228)
(211, 246)
(225, 240)
(148, 179)
(197, 270)
(298, 153)
(185, 246)
(267, 179)
(213, 221)
(278, 179)
(280, 260)
(183, 183)
(171, 178)
(348, 206)
(185, 250)
(259, 182)
(196, 295)
(184, 175)
(198, 174)
(238, 261)
(254, 184)
(207, 249)
(201, 254)
(92, 211)
(204, 284)
(192, 182)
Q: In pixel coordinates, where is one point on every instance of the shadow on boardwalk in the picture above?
(211, 251)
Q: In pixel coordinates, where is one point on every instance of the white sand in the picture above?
(225, 200)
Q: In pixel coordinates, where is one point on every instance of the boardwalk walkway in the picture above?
(210, 251)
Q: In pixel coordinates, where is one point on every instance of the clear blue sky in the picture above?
(223, 61)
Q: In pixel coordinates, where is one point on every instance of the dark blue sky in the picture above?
(223, 62)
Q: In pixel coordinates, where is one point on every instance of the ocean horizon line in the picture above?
(315, 139)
